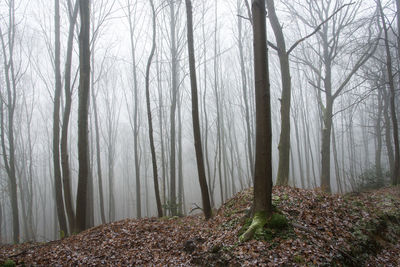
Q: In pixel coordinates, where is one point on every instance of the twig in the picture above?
(195, 207)
(316, 29)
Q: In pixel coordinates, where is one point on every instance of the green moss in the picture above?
(8, 263)
(278, 221)
(298, 259)
(245, 226)
(62, 234)
(257, 224)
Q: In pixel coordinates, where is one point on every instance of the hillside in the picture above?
(351, 230)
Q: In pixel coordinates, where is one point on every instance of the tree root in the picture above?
(258, 222)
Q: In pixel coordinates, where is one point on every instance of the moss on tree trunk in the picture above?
(259, 220)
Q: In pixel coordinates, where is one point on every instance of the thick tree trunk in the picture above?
(263, 165)
(83, 108)
(195, 116)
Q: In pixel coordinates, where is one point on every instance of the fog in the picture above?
(361, 118)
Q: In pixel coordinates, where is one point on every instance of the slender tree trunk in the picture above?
(135, 117)
(174, 93)
(396, 168)
(195, 116)
(299, 152)
(98, 159)
(378, 133)
(83, 108)
(56, 126)
(64, 131)
(326, 148)
(205, 124)
(336, 161)
(180, 162)
(150, 122)
(284, 140)
(244, 91)
(161, 119)
(217, 103)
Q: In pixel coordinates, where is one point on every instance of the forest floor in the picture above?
(357, 229)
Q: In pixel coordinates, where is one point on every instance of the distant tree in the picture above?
(83, 109)
(195, 116)
(174, 8)
(262, 206)
(7, 108)
(135, 121)
(331, 29)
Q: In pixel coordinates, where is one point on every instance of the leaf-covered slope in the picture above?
(350, 230)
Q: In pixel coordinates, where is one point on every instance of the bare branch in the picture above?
(317, 28)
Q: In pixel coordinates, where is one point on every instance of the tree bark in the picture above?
(135, 116)
(284, 139)
(64, 130)
(245, 97)
(149, 118)
(396, 168)
(83, 108)
(195, 116)
(262, 206)
(174, 92)
(56, 126)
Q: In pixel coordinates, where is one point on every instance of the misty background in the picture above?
(121, 32)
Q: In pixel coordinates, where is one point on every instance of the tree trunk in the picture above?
(150, 122)
(263, 161)
(326, 148)
(83, 108)
(396, 168)
(56, 126)
(174, 92)
(64, 131)
(245, 97)
(284, 139)
(135, 117)
(378, 133)
(98, 159)
(195, 116)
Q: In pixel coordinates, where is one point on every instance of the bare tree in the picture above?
(73, 14)
(136, 126)
(396, 168)
(7, 106)
(149, 117)
(262, 206)
(331, 48)
(195, 116)
(83, 109)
